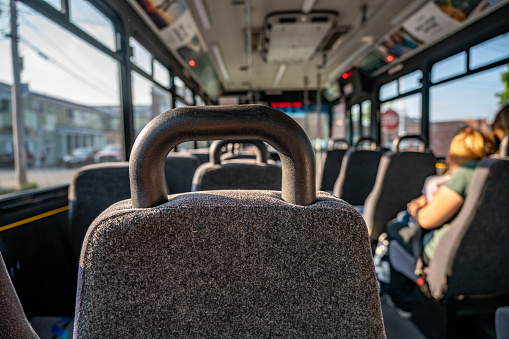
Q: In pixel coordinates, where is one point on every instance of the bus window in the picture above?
(447, 68)
(389, 90)
(355, 114)
(400, 117)
(340, 124)
(141, 57)
(469, 101)
(198, 101)
(161, 74)
(55, 3)
(149, 100)
(71, 102)
(88, 18)
(489, 51)
(366, 118)
(410, 82)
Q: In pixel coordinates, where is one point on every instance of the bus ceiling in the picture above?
(235, 46)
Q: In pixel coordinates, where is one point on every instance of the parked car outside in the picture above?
(112, 152)
(79, 157)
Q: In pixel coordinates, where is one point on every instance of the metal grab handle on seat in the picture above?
(374, 146)
(397, 141)
(163, 133)
(260, 150)
(332, 143)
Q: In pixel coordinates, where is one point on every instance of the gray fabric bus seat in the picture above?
(228, 263)
(96, 187)
(203, 154)
(476, 244)
(179, 170)
(357, 175)
(237, 174)
(13, 322)
(331, 164)
(93, 189)
(399, 179)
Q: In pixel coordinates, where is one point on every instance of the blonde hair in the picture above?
(469, 144)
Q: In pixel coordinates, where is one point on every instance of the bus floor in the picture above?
(397, 327)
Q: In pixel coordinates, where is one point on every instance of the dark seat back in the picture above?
(228, 263)
(471, 257)
(399, 179)
(331, 163)
(179, 169)
(96, 187)
(237, 174)
(357, 175)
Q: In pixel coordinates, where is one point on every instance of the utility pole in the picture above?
(18, 121)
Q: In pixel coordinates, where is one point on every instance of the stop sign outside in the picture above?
(389, 120)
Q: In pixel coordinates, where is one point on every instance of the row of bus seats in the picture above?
(237, 171)
(227, 263)
(371, 178)
(466, 280)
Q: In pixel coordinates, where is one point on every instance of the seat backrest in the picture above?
(331, 163)
(399, 179)
(471, 257)
(13, 322)
(237, 174)
(203, 154)
(357, 175)
(93, 189)
(228, 263)
(96, 187)
(179, 170)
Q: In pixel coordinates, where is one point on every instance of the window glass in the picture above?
(55, 3)
(149, 100)
(71, 103)
(389, 90)
(450, 67)
(410, 82)
(161, 74)
(490, 51)
(180, 87)
(355, 114)
(472, 101)
(400, 117)
(366, 117)
(199, 101)
(141, 57)
(91, 20)
(188, 95)
(340, 128)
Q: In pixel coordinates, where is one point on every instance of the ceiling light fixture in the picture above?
(218, 56)
(279, 75)
(307, 5)
(203, 14)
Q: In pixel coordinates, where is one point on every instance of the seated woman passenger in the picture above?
(500, 125)
(467, 147)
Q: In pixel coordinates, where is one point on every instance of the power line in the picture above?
(57, 47)
(66, 69)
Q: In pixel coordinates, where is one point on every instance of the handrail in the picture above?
(163, 133)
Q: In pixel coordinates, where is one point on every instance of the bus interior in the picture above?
(352, 91)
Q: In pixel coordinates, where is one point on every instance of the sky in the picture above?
(70, 69)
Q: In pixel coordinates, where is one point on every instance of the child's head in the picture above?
(468, 144)
(500, 125)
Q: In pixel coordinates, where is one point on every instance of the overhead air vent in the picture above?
(294, 37)
(333, 38)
